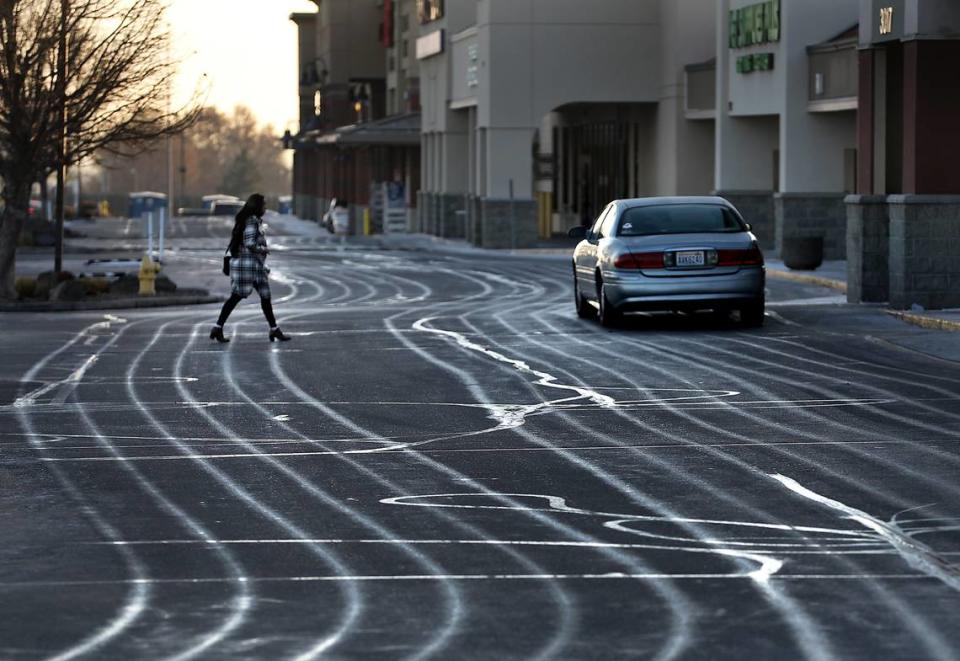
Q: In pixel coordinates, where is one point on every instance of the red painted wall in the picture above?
(931, 117)
(865, 124)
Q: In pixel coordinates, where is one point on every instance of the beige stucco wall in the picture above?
(750, 106)
(346, 38)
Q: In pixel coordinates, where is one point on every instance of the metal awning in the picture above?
(394, 131)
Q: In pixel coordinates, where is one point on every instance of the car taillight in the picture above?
(639, 260)
(749, 257)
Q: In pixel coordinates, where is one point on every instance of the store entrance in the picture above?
(586, 155)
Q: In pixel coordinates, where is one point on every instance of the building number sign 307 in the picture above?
(886, 20)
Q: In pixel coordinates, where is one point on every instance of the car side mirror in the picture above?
(578, 232)
(749, 227)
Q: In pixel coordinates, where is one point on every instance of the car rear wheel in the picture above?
(751, 316)
(609, 316)
(584, 309)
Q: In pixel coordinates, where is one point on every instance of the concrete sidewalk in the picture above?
(834, 275)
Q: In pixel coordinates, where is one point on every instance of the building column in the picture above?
(868, 249)
(505, 222)
(925, 221)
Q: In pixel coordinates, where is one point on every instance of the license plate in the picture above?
(690, 258)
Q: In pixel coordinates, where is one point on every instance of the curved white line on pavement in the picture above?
(375, 578)
(559, 504)
(857, 548)
(455, 612)
(354, 600)
(678, 637)
(543, 378)
(923, 633)
(872, 376)
(741, 362)
(805, 630)
(808, 636)
(138, 598)
(302, 482)
(566, 628)
(917, 555)
(244, 599)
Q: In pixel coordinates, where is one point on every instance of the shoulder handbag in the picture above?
(226, 262)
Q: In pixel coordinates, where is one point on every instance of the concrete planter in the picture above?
(802, 253)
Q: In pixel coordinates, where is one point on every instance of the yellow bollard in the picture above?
(148, 276)
(367, 228)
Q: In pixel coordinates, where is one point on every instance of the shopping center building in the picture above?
(786, 116)
(823, 119)
(536, 113)
(904, 226)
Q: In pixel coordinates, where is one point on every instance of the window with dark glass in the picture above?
(429, 10)
(678, 219)
(595, 230)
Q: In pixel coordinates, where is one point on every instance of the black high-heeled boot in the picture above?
(277, 334)
(216, 333)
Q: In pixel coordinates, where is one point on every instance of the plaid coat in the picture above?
(247, 270)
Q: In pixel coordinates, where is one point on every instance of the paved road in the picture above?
(447, 463)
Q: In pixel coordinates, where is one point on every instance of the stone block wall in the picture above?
(508, 223)
(924, 251)
(812, 214)
(756, 207)
(427, 205)
(421, 222)
(474, 225)
(868, 249)
(452, 219)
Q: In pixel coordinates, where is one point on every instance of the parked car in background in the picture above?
(668, 253)
(89, 209)
(226, 208)
(337, 218)
(207, 201)
(193, 211)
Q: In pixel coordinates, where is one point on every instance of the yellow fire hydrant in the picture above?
(148, 276)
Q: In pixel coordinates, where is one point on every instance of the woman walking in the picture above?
(248, 251)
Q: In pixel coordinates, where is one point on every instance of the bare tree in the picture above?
(115, 80)
(222, 153)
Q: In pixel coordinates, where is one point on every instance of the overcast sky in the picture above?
(246, 48)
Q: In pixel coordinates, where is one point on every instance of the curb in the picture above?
(932, 323)
(839, 285)
(114, 304)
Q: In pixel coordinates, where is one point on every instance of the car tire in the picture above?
(583, 307)
(608, 315)
(751, 316)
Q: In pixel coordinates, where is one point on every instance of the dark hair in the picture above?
(250, 207)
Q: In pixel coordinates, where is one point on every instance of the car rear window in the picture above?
(678, 219)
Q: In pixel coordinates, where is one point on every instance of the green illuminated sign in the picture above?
(755, 62)
(755, 24)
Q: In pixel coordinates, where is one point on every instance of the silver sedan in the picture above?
(668, 253)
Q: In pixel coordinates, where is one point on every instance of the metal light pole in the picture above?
(183, 170)
(168, 215)
(61, 135)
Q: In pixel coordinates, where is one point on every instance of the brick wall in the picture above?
(756, 207)
(812, 214)
(868, 249)
(508, 224)
(924, 251)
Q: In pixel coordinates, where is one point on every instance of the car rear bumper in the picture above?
(634, 291)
